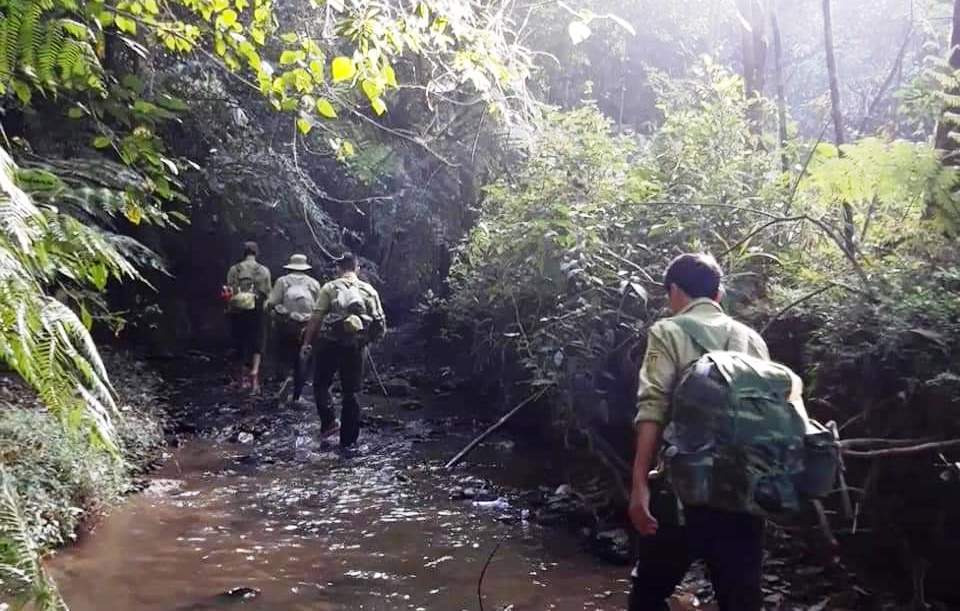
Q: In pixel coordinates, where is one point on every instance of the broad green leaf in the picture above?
(304, 126)
(389, 75)
(227, 18)
(132, 82)
(289, 37)
(326, 109)
(22, 90)
(379, 106)
(171, 103)
(151, 6)
(98, 275)
(101, 142)
(289, 57)
(125, 24)
(316, 69)
(85, 318)
(346, 149)
(342, 69)
(75, 113)
(133, 212)
(579, 31)
(370, 88)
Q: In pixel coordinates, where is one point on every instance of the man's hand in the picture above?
(305, 351)
(640, 514)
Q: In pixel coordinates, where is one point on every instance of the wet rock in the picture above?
(498, 504)
(240, 594)
(614, 545)
(244, 437)
(411, 405)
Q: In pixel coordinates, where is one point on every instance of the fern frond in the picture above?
(29, 41)
(48, 53)
(20, 557)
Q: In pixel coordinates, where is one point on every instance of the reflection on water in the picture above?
(281, 523)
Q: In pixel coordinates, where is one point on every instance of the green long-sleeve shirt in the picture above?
(670, 350)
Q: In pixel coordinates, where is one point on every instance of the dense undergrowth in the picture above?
(554, 287)
(55, 482)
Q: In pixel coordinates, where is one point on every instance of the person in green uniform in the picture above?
(291, 305)
(730, 543)
(348, 316)
(248, 285)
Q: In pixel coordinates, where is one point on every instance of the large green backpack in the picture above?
(735, 442)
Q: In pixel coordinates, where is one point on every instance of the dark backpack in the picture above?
(735, 441)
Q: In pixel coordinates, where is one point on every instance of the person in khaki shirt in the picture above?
(248, 326)
(338, 346)
(291, 305)
(730, 543)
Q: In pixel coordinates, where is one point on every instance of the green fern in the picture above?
(42, 45)
(21, 567)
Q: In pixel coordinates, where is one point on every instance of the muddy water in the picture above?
(305, 526)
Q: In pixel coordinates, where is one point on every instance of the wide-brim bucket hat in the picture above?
(298, 263)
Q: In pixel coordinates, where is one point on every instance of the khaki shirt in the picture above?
(284, 282)
(250, 267)
(670, 350)
(328, 293)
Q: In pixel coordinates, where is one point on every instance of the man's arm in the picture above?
(648, 440)
(265, 279)
(276, 293)
(657, 375)
(319, 312)
(232, 277)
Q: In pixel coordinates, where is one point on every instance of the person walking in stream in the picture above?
(347, 318)
(291, 306)
(247, 288)
(733, 428)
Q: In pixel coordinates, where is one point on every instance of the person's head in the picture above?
(692, 276)
(250, 249)
(347, 263)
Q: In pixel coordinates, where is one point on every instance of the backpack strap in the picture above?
(736, 342)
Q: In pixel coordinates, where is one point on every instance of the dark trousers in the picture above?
(248, 329)
(289, 334)
(330, 359)
(731, 544)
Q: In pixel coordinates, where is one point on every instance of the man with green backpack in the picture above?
(735, 444)
(246, 291)
(347, 318)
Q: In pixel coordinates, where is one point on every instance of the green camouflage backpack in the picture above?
(735, 442)
(352, 320)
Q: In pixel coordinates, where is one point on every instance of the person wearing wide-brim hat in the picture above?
(291, 304)
(298, 263)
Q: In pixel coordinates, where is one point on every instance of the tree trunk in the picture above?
(943, 141)
(849, 223)
(778, 75)
(754, 52)
(832, 72)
